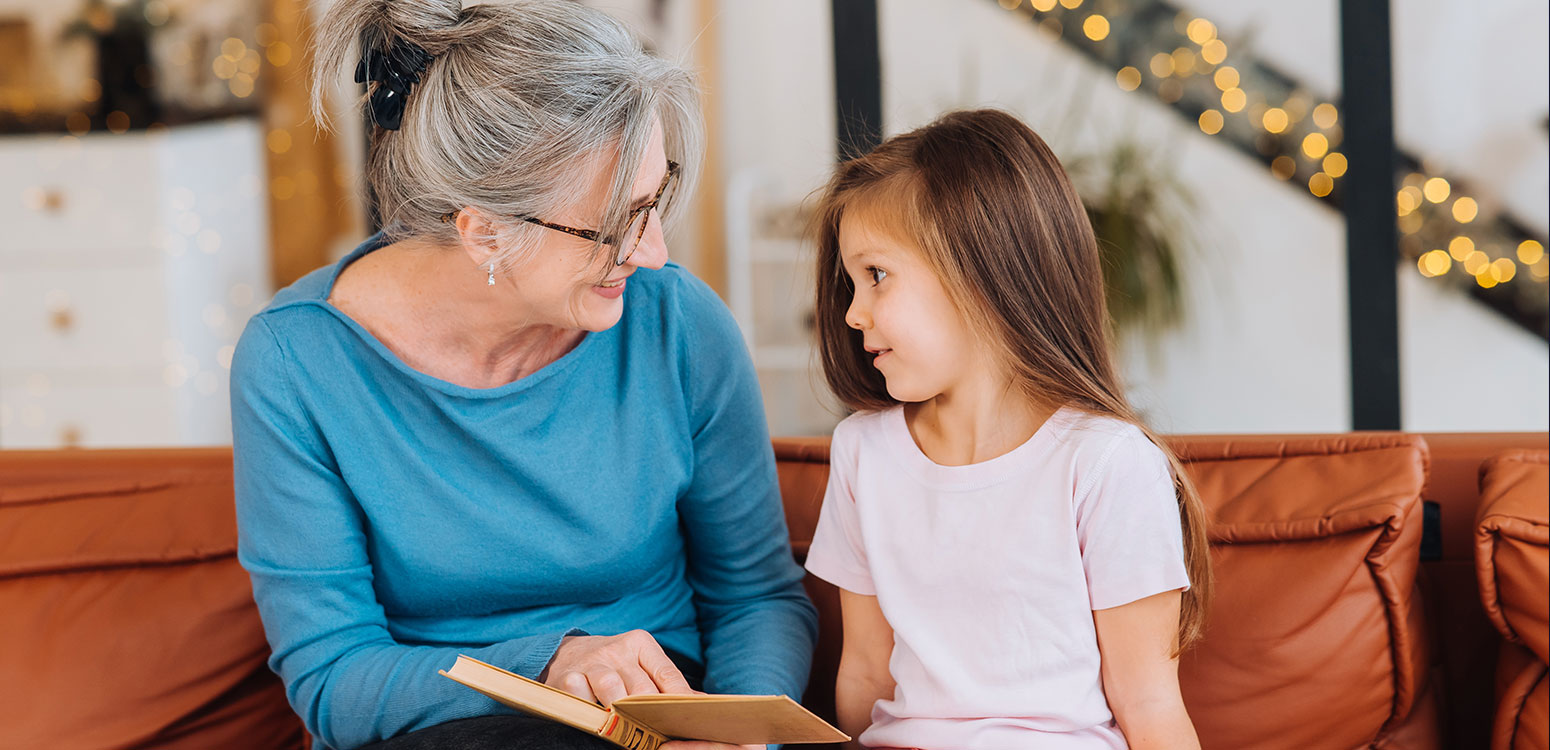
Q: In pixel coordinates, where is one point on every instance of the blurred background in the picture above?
(160, 178)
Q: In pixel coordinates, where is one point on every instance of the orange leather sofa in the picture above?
(1351, 611)
(1514, 570)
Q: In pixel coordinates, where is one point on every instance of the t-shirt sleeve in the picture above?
(837, 554)
(1128, 525)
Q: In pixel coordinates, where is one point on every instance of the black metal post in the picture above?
(1372, 242)
(858, 74)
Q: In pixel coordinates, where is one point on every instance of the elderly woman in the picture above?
(508, 426)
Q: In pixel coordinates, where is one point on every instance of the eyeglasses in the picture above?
(634, 229)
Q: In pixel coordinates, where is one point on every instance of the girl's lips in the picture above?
(878, 356)
(612, 290)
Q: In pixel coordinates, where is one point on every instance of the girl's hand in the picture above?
(607, 668)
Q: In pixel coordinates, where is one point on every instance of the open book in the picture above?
(644, 722)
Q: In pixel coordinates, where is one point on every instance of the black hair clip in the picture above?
(395, 71)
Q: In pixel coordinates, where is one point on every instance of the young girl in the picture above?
(1020, 560)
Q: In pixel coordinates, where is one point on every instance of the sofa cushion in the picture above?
(1512, 561)
(1512, 547)
(1523, 716)
(804, 473)
(1519, 719)
(125, 608)
(1464, 641)
(1316, 636)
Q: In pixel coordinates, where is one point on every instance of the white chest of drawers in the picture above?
(128, 266)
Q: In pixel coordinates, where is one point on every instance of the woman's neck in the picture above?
(975, 422)
(434, 310)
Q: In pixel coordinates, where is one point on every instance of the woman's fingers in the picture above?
(606, 668)
(608, 685)
(636, 681)
(605, 684)
(664, 673)
(576, 684)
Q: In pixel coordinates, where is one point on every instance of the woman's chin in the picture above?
(597, 318)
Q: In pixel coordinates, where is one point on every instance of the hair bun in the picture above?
(420, 20)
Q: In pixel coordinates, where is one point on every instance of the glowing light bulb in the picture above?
(1436, 190)
(1096, 27)
(1275, 120)
(1315, 145)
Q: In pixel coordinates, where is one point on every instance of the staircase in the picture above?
(1157, 49)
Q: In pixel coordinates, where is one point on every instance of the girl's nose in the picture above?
(857, 317)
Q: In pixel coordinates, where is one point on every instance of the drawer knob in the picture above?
(45, 200)
(70, 436)
(62, 320)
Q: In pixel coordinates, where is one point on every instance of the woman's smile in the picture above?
(611, 289)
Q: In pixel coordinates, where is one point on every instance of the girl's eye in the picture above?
(877, 274)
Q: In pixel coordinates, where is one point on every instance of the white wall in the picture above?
(1471, 83)
(774, 105)
(1265, 347)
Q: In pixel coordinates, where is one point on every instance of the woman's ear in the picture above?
(477, 236)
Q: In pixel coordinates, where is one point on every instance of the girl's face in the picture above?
(916, 335)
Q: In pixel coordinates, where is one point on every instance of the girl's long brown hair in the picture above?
(996, 217)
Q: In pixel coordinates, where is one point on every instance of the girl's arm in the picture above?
(863, 678)
(1141, 674)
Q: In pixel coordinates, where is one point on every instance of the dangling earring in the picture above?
(491, 281)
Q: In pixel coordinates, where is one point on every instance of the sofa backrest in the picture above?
(1316, 637)
(1467, 644)
(1512, 561)
(125, 621)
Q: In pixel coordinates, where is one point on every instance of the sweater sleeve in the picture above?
(304, 541)
(757, 627)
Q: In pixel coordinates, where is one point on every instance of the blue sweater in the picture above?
(391, 520)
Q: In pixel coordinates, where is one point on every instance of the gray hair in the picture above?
(522, 101)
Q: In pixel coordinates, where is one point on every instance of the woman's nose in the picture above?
(652, 250)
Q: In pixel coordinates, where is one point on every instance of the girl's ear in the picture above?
(477, 236)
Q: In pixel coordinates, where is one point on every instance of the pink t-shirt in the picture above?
(989, 574)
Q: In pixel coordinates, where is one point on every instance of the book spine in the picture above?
(625, 733)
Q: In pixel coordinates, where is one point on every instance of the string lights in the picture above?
(1186, 63)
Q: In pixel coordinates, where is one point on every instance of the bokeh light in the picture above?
(1335, 164)
(1211, 122)
(1530, 251)
(1128, 78)
(1096, 27)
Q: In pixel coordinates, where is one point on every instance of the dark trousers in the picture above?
(495, 733)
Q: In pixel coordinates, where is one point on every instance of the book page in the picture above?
(528, 696)
(734, 719)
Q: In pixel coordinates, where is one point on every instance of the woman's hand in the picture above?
(607, 668)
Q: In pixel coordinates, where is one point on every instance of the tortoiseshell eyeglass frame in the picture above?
(592, 235)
